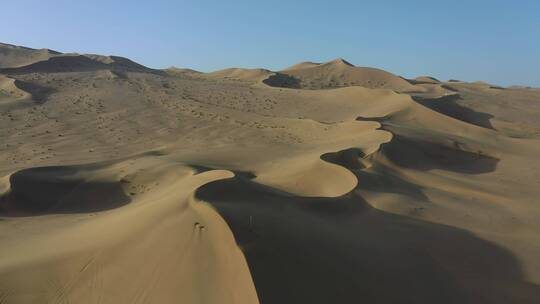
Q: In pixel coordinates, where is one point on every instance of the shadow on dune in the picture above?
(422, 154)
(282, 81)
(378, 178)
(384, 180)
(448, 105)
(348, 158)
(48, 190)
(341, 250)
(418, 154)
(39, 93)
(80, 63)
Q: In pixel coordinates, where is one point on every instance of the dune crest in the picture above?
(340, 73)
(240, 74)
(186, 237)
(426, 80)
(12, 56)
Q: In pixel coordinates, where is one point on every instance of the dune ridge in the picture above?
(340, 73)
(12, 56)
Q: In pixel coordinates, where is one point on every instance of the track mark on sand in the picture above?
(88, 263)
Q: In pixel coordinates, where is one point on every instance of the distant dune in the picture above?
(340, 73)
(240, 74)
(12, 56)
(426, 79)
(182, 71)
(20, 60)
(320, 183)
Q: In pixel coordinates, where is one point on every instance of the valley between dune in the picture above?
(320, 183)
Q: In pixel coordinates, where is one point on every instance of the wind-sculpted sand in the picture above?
(321, 183)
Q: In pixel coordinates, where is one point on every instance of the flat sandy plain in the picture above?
(320, 183)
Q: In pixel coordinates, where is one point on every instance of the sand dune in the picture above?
(340, 73)
(321, 183)
(333, 74)
(426, 79)
(241, 74)
(193, 256)
(182, 72)
(77, 63)
(10, 91)
(12, 56)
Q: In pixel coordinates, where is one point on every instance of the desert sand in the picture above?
(319, 183)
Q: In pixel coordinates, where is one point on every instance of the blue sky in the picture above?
(495, 41)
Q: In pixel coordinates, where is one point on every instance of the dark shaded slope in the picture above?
(46, 190)
(80, 63)
(449, 106)
(340, 250)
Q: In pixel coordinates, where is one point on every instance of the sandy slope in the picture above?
(10, 91)
(12, 56)
(123, 184)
